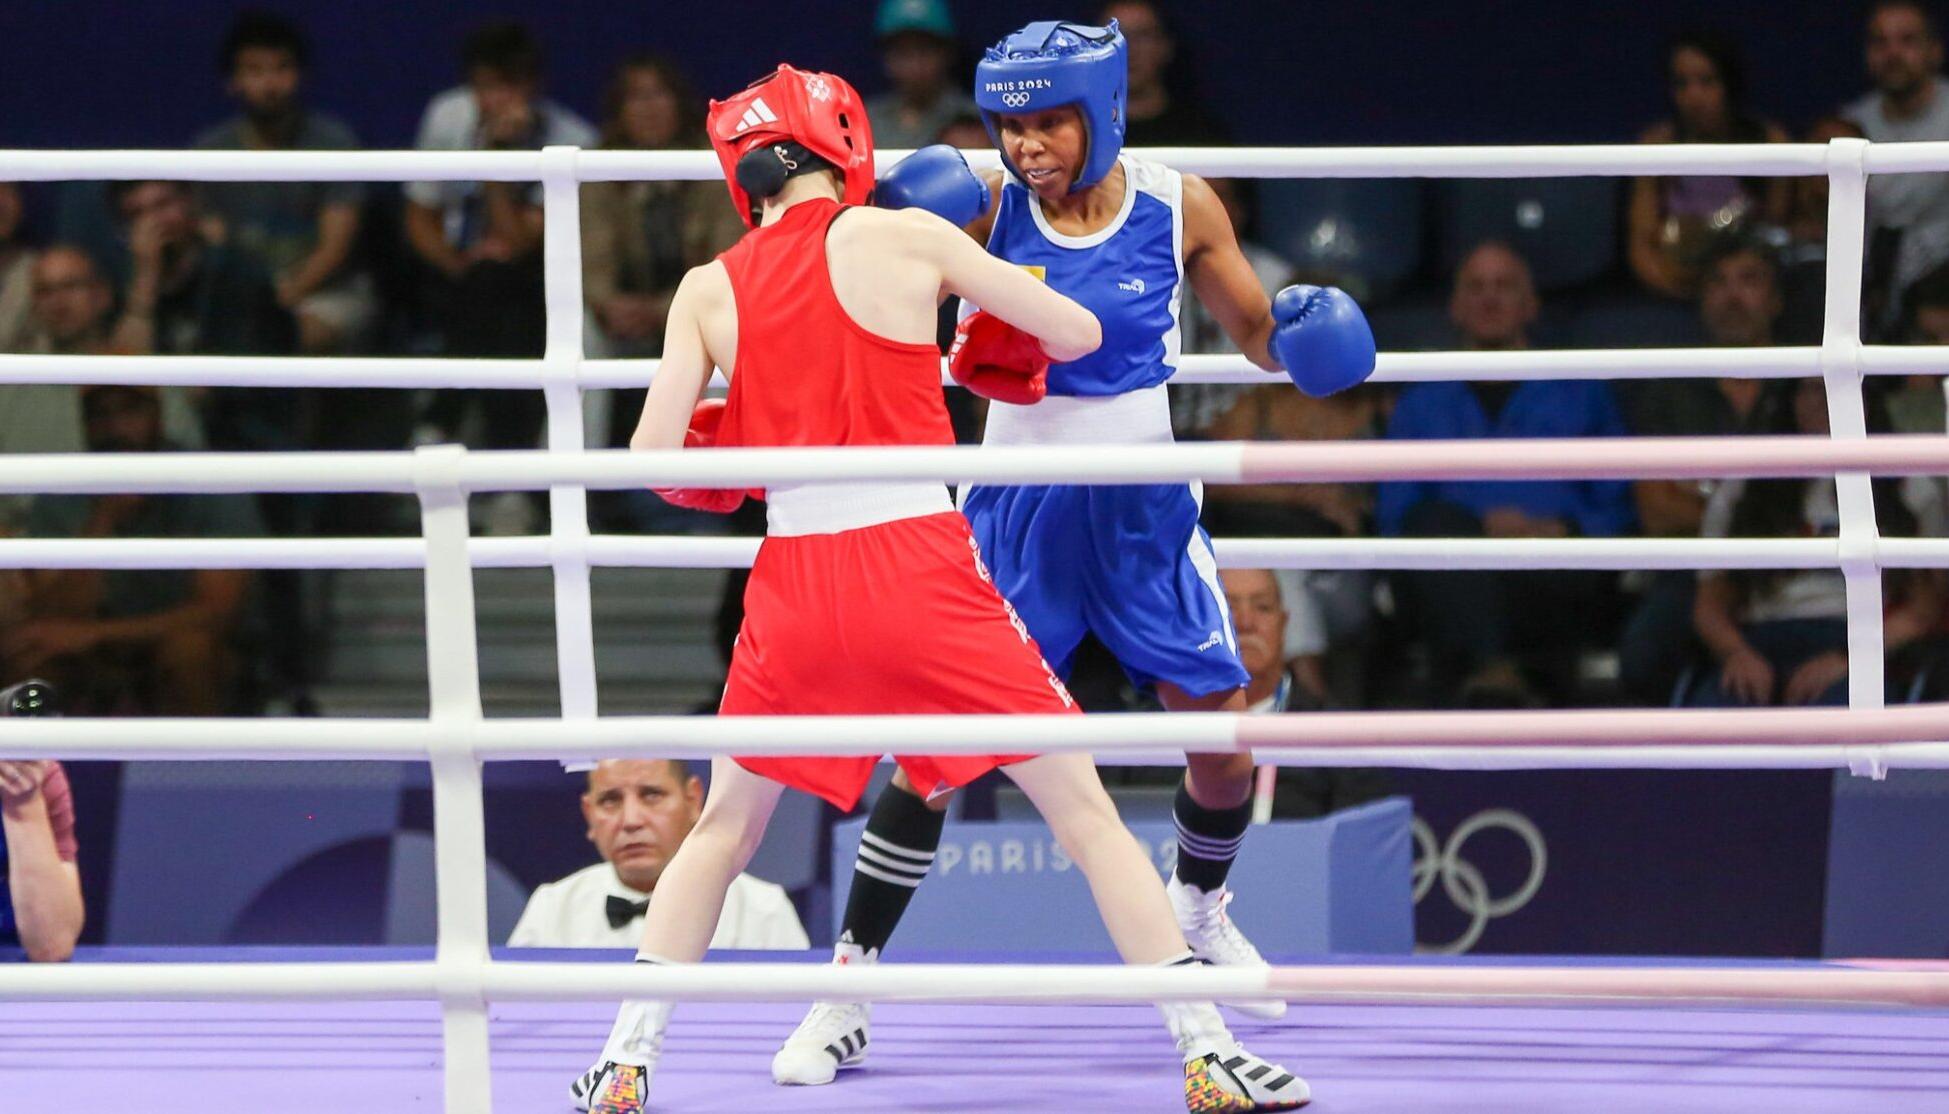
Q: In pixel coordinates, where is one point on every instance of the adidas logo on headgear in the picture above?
(758, 113)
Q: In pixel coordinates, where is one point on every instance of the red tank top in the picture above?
(807, 373)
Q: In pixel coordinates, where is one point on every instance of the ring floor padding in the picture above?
(380, 1058)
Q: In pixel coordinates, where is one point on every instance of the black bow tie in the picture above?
(622, 910)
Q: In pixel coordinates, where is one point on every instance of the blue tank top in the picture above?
(1130, 274)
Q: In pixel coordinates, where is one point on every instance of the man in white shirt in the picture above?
(639, 812)
(1910, 103)
(481, 245)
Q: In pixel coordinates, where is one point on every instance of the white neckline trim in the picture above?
(1101, 234)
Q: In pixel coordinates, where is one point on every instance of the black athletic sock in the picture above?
(1208, 839)
(894, 853)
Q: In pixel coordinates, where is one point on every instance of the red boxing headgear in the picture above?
(818, 111)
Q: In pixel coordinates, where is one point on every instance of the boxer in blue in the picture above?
(1127, 563)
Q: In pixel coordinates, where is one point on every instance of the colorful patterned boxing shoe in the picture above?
(612, 1088)
(1237, 1082)
(1216, 940)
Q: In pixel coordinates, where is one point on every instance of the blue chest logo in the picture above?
(1128, 279)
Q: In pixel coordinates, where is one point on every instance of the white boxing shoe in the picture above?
(833, 1034)
(831, 1037)
(1229, 1080)
(1217, 941)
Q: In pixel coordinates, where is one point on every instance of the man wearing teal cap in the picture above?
(917, 47)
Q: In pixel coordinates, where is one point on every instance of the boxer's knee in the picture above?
(1218, 781)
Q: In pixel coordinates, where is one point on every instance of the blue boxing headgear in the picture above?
(1051, 64)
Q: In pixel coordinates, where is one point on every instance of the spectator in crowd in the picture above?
(73, 316)
(70, 307)
(16, 272)
(638, 240)
(1739, 307)
(1910, 212)
(1780, 636)
(304, 231)
(41, 910)
(1493, 304)
(73, 307)
(189, 295)
(639, 237)
(152, 642)
(1674, 219)
(1163, 113)
(482, 240)
(1916, 404)
(638, 813)
(1285, 682)
(1479, 622)
(917, 47)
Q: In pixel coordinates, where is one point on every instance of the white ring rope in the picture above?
(925, 982)
(1215, 462)
(409, 372)
(681, 551)
(1911, 735)
(455, 738)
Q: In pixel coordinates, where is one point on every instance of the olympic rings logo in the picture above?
(1015, 100)
(1463, 881)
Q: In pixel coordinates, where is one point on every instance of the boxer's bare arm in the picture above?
(699, 335)
(889, 269)
(1067, 330)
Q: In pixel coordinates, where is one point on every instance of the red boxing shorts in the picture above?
(897, 618)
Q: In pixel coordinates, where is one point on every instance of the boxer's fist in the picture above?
(997, 360)
(938, 180)
(1321, 338)
(702, 434)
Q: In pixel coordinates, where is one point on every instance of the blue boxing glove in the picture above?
(1321, 338)
(936, 179)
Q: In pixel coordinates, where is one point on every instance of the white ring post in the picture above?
(459, 823)
(568, 504)
(1840, 367)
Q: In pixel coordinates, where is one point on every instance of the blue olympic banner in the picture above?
(1620, 862)
(1306, 887)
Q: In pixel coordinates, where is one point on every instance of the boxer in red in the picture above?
(869, 598)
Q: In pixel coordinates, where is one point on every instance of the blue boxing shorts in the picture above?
(1128, 563)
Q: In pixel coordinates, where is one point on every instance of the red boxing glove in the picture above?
(702, 434)
(997, 360)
